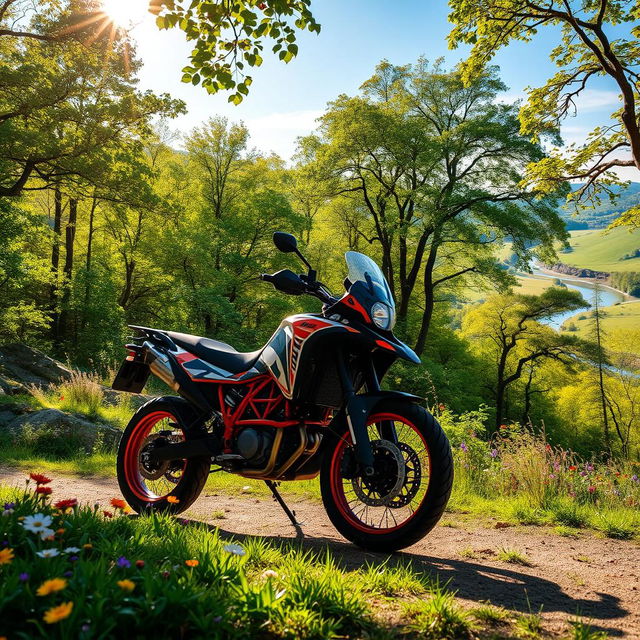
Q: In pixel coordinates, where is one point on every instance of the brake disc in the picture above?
(149, 470)
(388, 478)
(413, 477)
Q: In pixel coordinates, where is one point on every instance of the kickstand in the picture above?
(273, 486)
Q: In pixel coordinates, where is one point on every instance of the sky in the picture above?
(285, 99)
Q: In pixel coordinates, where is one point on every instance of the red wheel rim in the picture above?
(134, 478)
(390, 519)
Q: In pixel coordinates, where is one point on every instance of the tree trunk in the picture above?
(429, 299)
(62, 328)
(55, 261)
(603, 398)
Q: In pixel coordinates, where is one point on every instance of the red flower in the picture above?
(140, 564)
(66, 504)
(572, 467)
(262, 6)
(107, 514)
(592, 489)
(39, 478)
(45, 491)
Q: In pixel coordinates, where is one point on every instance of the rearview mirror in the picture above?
(285, 242)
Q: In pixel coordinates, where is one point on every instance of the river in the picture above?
(608, 296)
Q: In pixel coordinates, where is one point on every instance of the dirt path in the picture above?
(594, 577)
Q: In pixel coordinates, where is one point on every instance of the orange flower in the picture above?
(88, 545)
(127, 585)
(172, 500)
(51, 586)
(118, 503)
(192, 563)
(60, 532)
(6, 556)
(572, 467)
(44, 491)
(55, 614)
(38, 478)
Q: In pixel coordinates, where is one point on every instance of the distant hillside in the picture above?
(617, 250)
(606, 212)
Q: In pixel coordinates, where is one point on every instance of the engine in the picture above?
(255, 444)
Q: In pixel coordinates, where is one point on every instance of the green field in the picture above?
(602, 251)
(625, 316)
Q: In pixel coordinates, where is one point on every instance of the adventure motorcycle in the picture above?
(308, 403)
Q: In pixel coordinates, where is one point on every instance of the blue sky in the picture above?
(285, 99)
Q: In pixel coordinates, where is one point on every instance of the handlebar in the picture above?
(315, 288)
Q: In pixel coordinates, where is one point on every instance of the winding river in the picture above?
(608, 296)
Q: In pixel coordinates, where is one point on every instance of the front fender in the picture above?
(355, 413)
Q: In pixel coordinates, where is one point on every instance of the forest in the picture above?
(109, 216)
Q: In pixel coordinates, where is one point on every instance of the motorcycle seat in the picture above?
(219, 354)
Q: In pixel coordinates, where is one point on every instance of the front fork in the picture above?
(357, 409)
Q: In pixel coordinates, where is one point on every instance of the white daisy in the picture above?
(71, 550)
(235, 549)
(46, 533)
(48, 553)
(37, 522)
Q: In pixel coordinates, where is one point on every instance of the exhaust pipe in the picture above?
(160, 366)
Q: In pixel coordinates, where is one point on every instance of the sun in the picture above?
(125, 13)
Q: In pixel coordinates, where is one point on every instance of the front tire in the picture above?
(170, 487)
(376, 513)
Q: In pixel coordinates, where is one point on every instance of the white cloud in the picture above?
(594, 99)
(277, 132)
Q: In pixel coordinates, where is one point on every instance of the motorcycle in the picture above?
(306, 404)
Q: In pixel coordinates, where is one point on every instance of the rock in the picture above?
(560, 267)
(63, 425)
(21, 366)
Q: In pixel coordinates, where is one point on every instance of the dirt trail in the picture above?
(594, 577)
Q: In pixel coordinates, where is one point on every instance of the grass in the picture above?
(619, 317)
(156, 575)
(513, 556)
(593, 249)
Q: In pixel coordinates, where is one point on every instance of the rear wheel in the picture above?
(408, 492)
(170, 486)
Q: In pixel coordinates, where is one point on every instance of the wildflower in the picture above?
(140, 564)
(71, 550)
(6, 556)
(38, 478)
(572, 467)
(172, 500)
(8, 508)
(126, 585)
(165, 574)
(74, 558)
(48, 553)
(60, 531)
(503, 426)
(55, 614)
(247, 489)
(46, 534)
(87, 546)
(589, 467)
(634, 478)
(269, 573)
(234, 549)
(66, 504)
(51, 586)
(37, 522)
(583, 474)
(43, 491)
(191, 563)
(463, 446)
(123, 563)
(592, 489)
(107, 514)
(23, 577)
(68, 574)
(493, 453)
(118, 503)
(552, 476)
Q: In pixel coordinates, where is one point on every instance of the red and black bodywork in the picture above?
(314, 369)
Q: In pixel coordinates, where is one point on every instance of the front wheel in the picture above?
(170, 486)
(409, 489)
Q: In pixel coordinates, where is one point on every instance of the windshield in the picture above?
(364, 269)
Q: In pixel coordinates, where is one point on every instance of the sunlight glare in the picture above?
(125, 13)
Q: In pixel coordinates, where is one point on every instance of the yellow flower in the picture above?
(55, 614)
(88, 545)
(127, 585)
(172, 500)
(51, 586)
(191, 563)
(6, 556)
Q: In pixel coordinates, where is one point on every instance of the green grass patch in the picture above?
(513, 556)
(603, 251)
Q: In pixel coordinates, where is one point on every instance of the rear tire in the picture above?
(183, 481)
(422, 506)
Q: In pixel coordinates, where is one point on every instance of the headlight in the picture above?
(381, 315)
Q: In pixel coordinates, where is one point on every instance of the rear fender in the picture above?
(358, 408)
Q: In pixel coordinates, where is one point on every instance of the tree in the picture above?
(587, 50)
(508, 329)
(229, 37)
(436, 167)
(598, 337)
